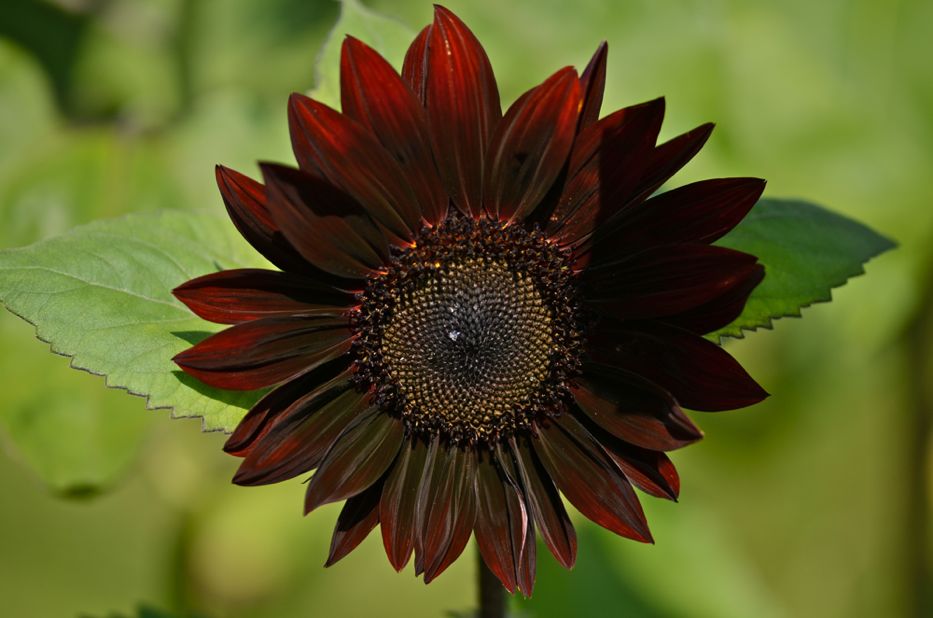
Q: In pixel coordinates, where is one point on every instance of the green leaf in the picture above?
(101, 294)
(806, 251)
(387, 36)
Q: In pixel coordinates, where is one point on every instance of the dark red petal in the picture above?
(590, 479)
(265, 352)
(359, 516)
(544, 502)
(241, 295)
(436, 456)
(336, 147)
(698, 373)
(665, 281)
(531, 145)
(648, 470)
(621, 136)
(701, 212)
(593, 85)
(464, 516)
(374, 95)
(414, 67)
(605, 166)
(275, 405)
(723, 309)
(245, 200)
(399, 498)
(501, 521)
(624, 182)
(463, 108)
(633, 409)
(359, 457)
(528, 560)
(296, 441)
(323, 223)
(667, 159)
(446, 509)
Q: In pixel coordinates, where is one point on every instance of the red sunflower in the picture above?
(476, 312)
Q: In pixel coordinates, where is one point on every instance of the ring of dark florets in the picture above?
(473, 332)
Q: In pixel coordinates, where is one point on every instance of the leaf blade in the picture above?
(101, 295)
(807, 251)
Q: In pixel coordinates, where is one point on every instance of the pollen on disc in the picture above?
(468, 345)
(472, 333)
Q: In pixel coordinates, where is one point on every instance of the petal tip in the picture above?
(240, 478)
(234, 446)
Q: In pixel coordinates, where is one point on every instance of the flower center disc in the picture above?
(470, 344)
(471, 333)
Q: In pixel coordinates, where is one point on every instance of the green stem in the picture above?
(491, 592)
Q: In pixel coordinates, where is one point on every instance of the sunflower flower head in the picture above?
(475, 312)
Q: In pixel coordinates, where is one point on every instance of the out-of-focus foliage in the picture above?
(386, 35)
(147, 611)
(815, 503)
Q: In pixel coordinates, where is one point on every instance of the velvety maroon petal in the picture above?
(605, 167)
(446, 509)
(245, 200)
(702, 212)
(324, 224)
(374, 95)
(463, 514)
(531, 145)
(296, 441)
(650, 471)
(399, 498)
(627, 175)
(501, 521)
(264, 352)
(665, 281)
(414, 68)
(633, 409)
(621, 136)
(275, 405)
(624, 181)
(593, 85)
(723, 309)
(528, 562)
(590, 479)
(336, 147)
(241, 295)
(698, 373)
(359, 457)
(544, 502)
(667, 159)
(359, 516)
(463, 108)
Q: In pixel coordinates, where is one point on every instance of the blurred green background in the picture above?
(814, 503)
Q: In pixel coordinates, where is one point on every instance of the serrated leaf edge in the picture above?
(769, 325)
